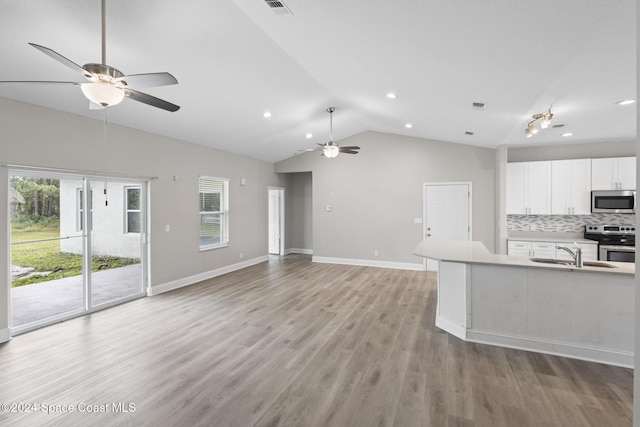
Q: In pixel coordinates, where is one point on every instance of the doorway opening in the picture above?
(77, 245)
(276, 221)
(446, 213)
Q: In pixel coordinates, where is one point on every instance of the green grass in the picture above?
(46, 256)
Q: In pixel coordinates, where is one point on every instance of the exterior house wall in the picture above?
(108, 234)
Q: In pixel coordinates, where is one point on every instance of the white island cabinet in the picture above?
(585, 313)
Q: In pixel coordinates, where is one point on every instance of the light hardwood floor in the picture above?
(290, 342)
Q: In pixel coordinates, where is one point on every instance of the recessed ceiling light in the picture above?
(391, 95)
(266, 114)
(309, 136)
(408, 125)
(567, 134)
(626, 102)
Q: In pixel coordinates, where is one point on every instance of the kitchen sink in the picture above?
(552, 261)
(597, 264)
(569, 262)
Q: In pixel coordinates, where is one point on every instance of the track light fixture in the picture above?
(545, 121)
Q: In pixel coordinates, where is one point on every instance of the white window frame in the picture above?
(127, 210)
(79, 209)
(223, 212)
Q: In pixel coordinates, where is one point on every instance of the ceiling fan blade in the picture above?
(38, 82)
(351, 147)
(140, 81)
(150, 100)
(349, 152)
(55, 55)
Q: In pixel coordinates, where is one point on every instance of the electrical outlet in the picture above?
(241, 255)
(167, 228)
(375, 252)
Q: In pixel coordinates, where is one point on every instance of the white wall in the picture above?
(636, 378)
(35, 136)
(573, 151)
(376, 194)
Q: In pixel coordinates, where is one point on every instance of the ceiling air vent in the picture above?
(479, 105)
(278, 7)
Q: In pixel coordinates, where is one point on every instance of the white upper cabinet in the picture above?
(529, 188)
(627, 173)
(617, 173)
(571, 187)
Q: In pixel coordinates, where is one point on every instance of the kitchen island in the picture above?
(512, 301)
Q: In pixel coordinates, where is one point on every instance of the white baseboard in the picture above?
(590, 354)
(298, 251)
(369, 263)
(4, 335)
(452, 328)
(186, 281)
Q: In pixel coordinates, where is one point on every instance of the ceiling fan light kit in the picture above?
(544, 119)
(102, 94)
(330, 151)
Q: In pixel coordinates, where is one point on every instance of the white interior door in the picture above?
(276, 213)
(447, 213)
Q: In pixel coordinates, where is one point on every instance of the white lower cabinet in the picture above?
(543, 250)
(550, 250)
(519, 248)
(589, 251)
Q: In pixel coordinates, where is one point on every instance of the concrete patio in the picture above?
(47, 299)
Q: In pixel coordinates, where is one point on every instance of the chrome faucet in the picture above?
(577, 255)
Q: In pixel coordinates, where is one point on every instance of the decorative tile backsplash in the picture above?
(564, 223)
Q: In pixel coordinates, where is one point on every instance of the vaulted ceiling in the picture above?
(236, 59)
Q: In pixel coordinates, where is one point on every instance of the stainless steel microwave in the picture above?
(613, 201)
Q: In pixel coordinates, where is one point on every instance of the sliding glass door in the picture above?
(77, 245)
(115, 238)
(46, 276)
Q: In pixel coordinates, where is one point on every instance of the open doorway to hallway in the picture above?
(276, 221)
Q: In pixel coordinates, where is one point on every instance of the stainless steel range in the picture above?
(615, 242)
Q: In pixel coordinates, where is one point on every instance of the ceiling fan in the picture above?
(332, 149)
(105, 85)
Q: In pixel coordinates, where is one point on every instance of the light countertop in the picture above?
(471, 252)
(549, 237)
